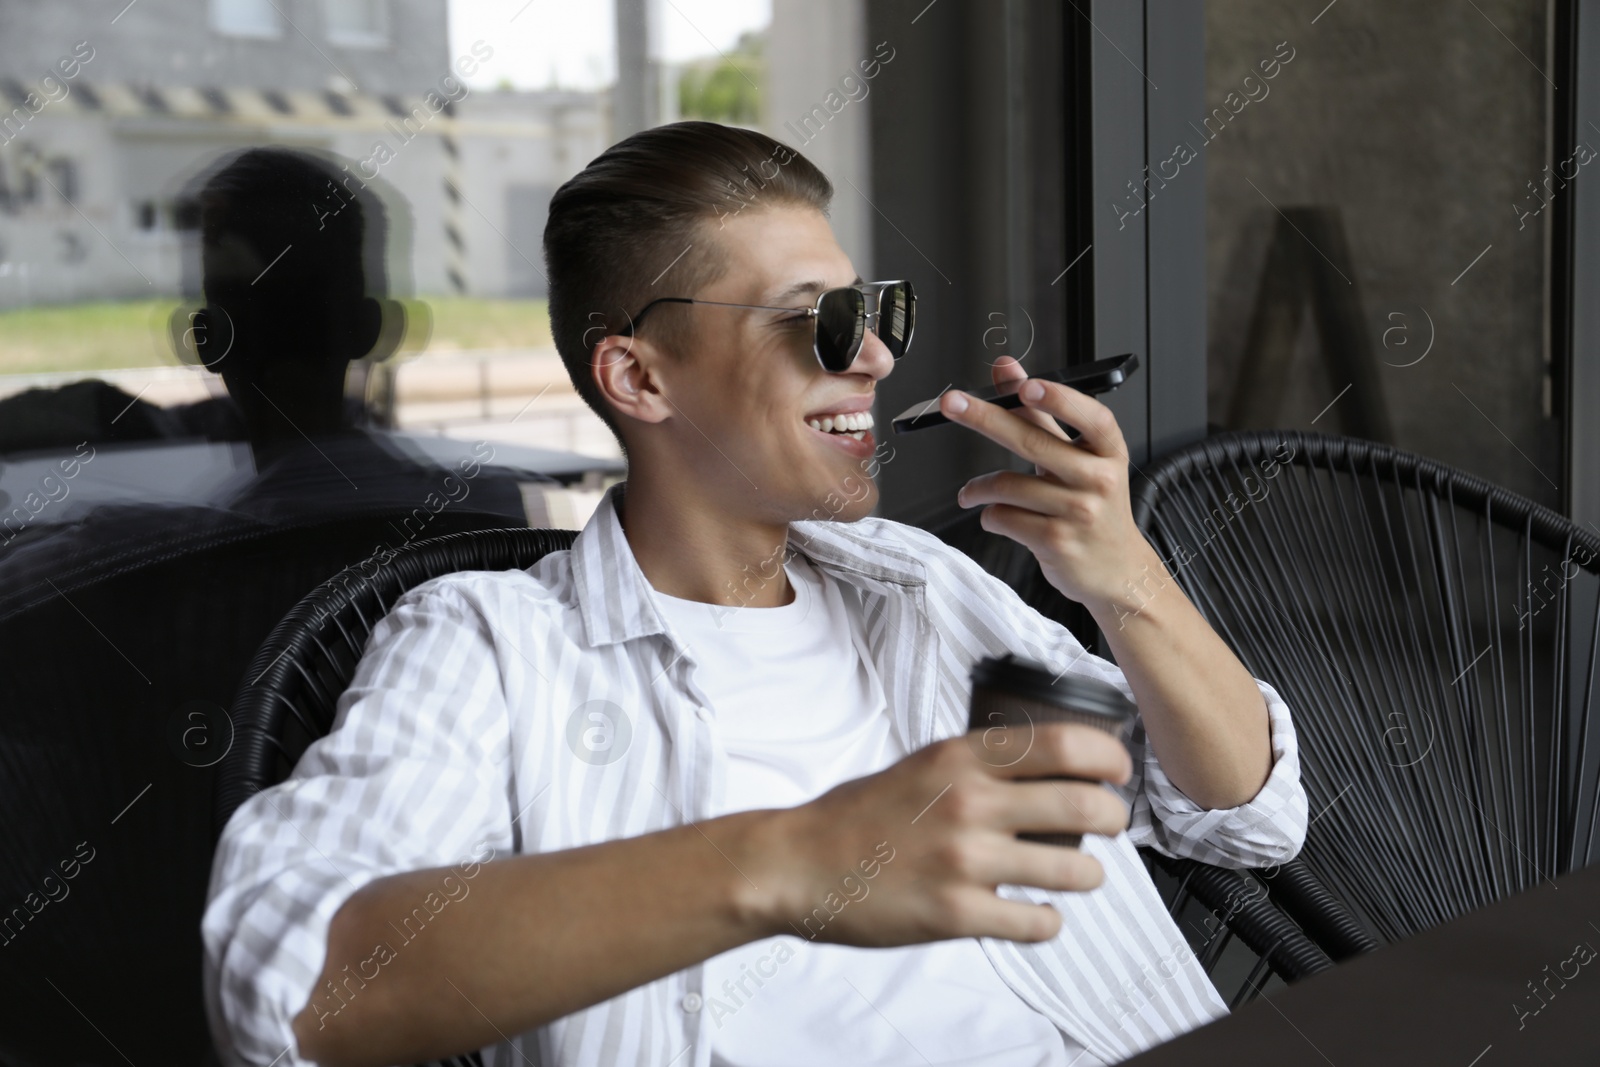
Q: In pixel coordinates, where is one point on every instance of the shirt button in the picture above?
(691, 1003)
(704, 713)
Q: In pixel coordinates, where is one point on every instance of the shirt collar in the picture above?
(618, 603)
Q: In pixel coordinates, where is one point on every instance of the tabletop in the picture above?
(1512, 983)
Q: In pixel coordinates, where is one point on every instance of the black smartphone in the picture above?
(1101, 376)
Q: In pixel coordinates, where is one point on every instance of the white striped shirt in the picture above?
(502, 713)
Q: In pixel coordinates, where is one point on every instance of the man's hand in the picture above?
(914, 853)
(1073, 512)
(905, 856)
(1202, 711)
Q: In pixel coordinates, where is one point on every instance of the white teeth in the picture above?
(853, 423)
(859, 434)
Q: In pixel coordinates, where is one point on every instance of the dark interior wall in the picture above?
(966, 165)
(929, 229)
(1422, 123)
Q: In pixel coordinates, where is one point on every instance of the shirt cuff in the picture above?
(266, 947)
(1265, 831)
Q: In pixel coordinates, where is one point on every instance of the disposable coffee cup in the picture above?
(1019, 693)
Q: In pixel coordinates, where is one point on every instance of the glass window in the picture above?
(1377, 181)
(358, 23)
(446, 127)
(245, 18)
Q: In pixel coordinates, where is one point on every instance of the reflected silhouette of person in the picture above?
(291, 263)
(292, 250)
(292, 269)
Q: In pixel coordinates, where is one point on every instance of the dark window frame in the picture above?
(1574, 266)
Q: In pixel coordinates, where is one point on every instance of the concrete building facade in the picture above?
(106, 120)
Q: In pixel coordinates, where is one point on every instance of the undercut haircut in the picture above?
(640, 222)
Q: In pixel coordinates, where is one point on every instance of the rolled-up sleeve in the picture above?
(415, 774)
(1266, 830)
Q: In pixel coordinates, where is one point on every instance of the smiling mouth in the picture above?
(856, 424)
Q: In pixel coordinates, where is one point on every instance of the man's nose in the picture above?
(874, 359)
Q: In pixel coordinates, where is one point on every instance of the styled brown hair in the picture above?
(633, 226)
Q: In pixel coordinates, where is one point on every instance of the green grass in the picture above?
(97, 336)
(464, 322)
(111, 335)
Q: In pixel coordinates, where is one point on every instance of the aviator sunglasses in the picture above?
(839, 319)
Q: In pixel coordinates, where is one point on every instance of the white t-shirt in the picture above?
(799, 708)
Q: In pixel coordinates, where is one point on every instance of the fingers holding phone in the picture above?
(1008, 377)
(1092, 379)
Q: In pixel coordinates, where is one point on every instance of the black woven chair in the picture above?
(290, 690)
(1435, 637)
(1232, 923)
(122, 639)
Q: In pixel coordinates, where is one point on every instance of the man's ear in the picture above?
(367, 328)
(199, 336)
(185, 328)
(626, 372)
(380, 328)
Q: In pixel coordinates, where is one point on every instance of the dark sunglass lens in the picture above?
(897, 313)
(841, 320)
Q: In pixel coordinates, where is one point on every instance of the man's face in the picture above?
(283, 361)
(748, 384)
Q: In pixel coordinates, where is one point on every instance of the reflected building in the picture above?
(98, 141)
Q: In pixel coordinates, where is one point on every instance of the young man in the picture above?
(698, 791)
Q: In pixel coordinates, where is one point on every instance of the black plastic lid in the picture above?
(1026, 678)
